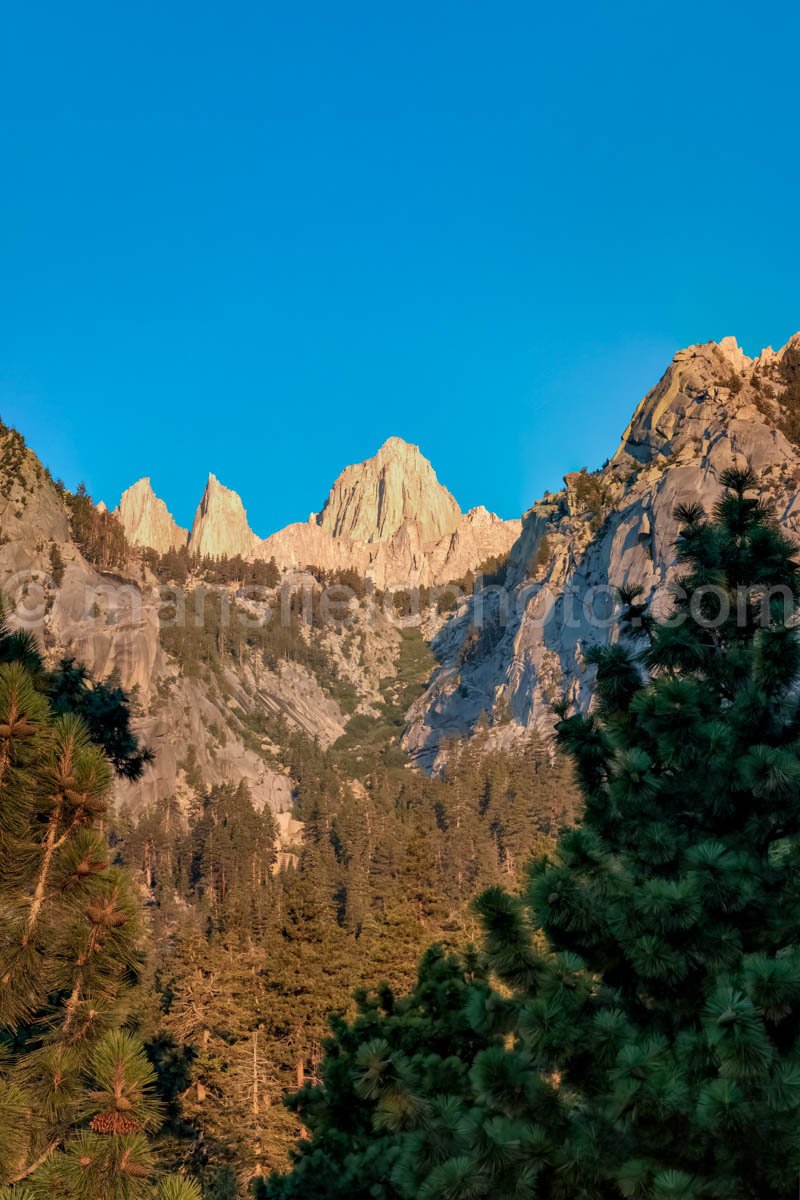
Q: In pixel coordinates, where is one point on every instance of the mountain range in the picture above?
(501, 657)
(388, 518)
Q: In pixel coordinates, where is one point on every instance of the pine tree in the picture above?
(76, 1102)
(656, 1047)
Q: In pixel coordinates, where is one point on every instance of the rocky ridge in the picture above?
(503, 657)
(503, 660)
(200, 723)
(206, 725)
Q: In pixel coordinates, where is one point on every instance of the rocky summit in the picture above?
(372, 500)
(220, 528)
(387, 518)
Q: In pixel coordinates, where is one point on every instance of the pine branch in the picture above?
(40, 1161)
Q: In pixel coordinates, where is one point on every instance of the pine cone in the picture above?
(114, 1122)
(105, 915)
(21, 728)
(136, 1170)
(95, 806)
(103, 1123)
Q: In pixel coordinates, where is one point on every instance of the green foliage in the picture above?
(542, 555)
(376, 1072)
(76, 1098)
(98, 533)
(789, 374)
(69, 688)
(12, 461)
(591, 495)
(104, 708)
(639, 1034)
(376, 739)
(217, 627)
(56, 565)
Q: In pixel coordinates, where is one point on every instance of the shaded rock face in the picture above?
(371, 501)
(110, 622)
(147, 520)
(220, 528)
(713, 408)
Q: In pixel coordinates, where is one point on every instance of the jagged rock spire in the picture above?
(147, 520)
(220, 528)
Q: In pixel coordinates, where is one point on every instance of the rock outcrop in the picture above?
(147, 521)
(220, 528)
(110, 622)
(506, 658)
(371, 501)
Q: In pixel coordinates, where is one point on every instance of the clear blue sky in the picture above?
(260, 238)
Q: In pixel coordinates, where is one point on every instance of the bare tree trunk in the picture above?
(255, 1073)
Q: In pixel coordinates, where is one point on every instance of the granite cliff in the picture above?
(503, 659)
(220, 528)
(371, 501)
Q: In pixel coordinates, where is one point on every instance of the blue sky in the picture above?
(259, 239)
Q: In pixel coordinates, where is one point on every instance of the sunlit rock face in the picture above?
(372, 500)
(390, 519)
(147, 521)
(220, 528)
(713, 408)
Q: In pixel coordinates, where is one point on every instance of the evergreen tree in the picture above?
(105, 709)
(373, 1075)
(253, 953)
(98, 533)
(76, 1100)
(645, 1007)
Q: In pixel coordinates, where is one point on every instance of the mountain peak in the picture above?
(397, 445)
(372, 500)
(146, 519)
(220, 528)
